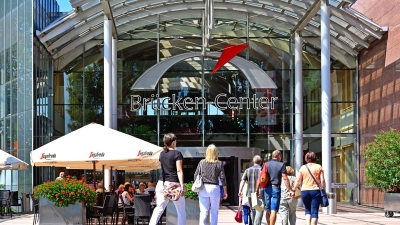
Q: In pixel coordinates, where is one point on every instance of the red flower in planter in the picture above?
(64, 193)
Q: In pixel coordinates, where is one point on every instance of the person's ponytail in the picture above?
(165, 148)
(168, 139)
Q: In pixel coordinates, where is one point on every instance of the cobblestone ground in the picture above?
(346, 214)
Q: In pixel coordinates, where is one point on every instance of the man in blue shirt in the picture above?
(272, 192)
(250, 176)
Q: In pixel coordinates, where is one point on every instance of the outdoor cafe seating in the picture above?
(116, 213)
(5, 202)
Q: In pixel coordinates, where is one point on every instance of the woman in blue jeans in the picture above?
(310, 192)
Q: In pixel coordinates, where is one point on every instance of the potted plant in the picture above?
(64, 201)
(382, 169)
(191, 205)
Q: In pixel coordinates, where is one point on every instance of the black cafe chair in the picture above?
(142, 208)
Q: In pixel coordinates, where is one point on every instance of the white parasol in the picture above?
(10, 162)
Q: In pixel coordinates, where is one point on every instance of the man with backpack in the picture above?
(250, 176)
(271, 177)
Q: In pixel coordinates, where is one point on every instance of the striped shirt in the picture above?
(251, 176)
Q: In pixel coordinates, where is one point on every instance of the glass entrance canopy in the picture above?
(271, 25)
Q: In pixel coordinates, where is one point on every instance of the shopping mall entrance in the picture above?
(237, 159)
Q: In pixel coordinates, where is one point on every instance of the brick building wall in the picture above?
(379, 83)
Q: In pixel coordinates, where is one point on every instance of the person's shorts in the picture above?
(221, 192)
(272, 197)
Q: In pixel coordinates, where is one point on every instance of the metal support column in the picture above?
(107, 72)
(108, 90)
(357, 139)
(247, 83)
(203, 53)
(298, 57)
(326, 96)
(158, 85)
(114, 84)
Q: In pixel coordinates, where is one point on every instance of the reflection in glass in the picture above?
(2, 131)
(2, 101)
(21, 130)
(14, 104)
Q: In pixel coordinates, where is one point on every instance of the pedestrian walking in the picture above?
(310, 191)
(246, 206)
(172, 178)
(272, 192)
(209, 196)
(250, 176)
(288, 205)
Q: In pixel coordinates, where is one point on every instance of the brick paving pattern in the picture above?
(346, 214)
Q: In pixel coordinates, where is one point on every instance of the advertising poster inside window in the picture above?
(267, 114)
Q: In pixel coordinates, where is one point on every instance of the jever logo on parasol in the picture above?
(48, 156)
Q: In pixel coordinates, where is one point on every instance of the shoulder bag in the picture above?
(198, 183)
(263, 178)
(324, 201)
(172, 190)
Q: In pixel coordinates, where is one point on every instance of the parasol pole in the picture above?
(103, 183)
(94, 175)
(111, 178)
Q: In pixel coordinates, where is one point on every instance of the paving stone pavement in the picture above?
(346, 214)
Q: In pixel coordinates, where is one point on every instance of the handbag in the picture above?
(263, 179)
(238, 216)
(171, 190)
(198, 183)
(324, 202)
(257, 203)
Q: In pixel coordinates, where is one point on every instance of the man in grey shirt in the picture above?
(272, 192)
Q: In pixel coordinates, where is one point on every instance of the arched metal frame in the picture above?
(256, 76)
(350, 31)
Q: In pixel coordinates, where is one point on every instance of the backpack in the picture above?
(263, 178)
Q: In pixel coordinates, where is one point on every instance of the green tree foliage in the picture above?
(86, 89)
(383, 167)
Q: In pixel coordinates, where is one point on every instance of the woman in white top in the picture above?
(142, 189)
(127, 198)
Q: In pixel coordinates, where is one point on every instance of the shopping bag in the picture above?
(297, 193)
(238, 216)
(257, 203)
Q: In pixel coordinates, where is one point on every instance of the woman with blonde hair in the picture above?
(287, 207)
(210, 169)
(310, 190)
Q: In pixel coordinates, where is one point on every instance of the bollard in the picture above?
(332, 203)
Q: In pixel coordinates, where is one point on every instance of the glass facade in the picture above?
(22, 76)
(43, 98)
(78, 95)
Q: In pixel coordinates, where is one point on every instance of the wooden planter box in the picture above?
(391, 203)
(192, 213)
(51, 214)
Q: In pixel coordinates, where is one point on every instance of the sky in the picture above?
(65, 5)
